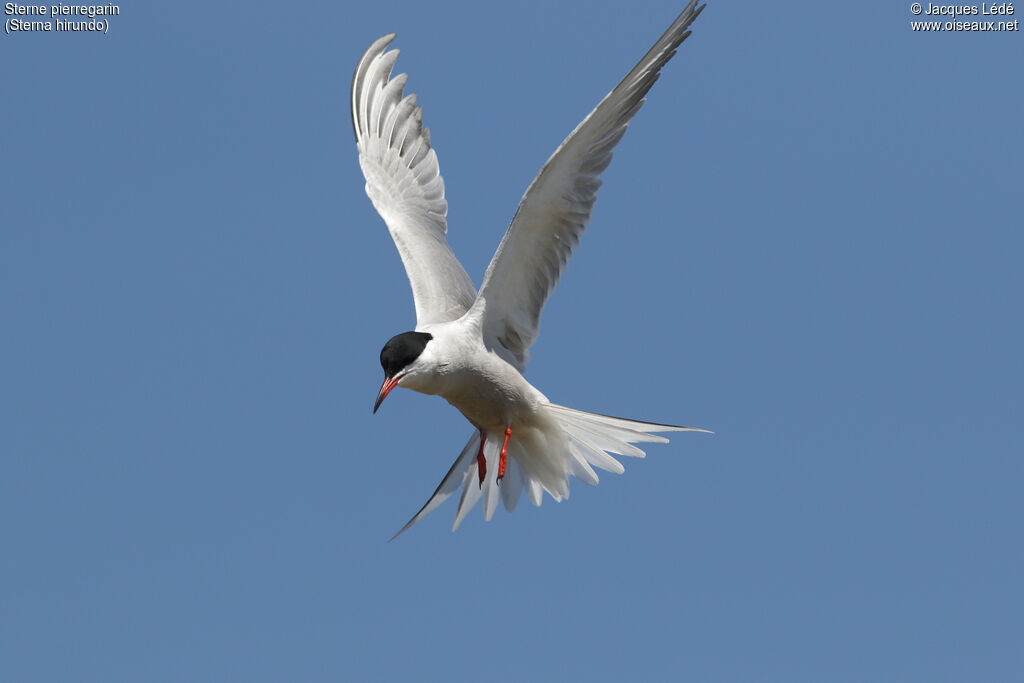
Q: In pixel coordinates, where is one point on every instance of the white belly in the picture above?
(491, 397)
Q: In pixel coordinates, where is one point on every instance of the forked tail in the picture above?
(542, 458)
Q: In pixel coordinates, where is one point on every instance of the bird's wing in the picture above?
(557, 205)
(405, 185)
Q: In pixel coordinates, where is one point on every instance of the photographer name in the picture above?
(985, 9)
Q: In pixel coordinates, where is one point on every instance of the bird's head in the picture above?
(401, 357)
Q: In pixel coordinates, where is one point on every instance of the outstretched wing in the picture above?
(556, 207)
(405, 185)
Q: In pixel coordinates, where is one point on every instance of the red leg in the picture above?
(481, 462)
(503, 454)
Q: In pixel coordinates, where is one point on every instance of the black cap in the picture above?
(401, 350)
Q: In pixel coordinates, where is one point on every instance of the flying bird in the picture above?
(471, 347)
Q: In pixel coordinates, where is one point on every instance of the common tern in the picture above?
(471, 347)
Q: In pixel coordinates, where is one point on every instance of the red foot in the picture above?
(503, 454)
(481, 462)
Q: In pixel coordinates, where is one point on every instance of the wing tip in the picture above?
(372, 53)
(377, 46)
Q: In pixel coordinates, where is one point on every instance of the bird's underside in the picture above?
(472, 347)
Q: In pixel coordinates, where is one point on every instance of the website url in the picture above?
(941, 26)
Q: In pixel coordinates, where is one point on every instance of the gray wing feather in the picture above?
(554, 211)
(404, 183)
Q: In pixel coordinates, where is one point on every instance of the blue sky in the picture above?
(809, 242)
